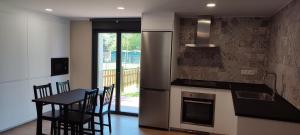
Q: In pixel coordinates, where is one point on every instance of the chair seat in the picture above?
(50, 116)
(74, 117)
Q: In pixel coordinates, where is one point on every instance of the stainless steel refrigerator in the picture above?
(155, 79)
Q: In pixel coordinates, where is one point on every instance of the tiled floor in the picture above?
(121, 125)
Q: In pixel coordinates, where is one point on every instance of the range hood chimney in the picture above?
(203, 33)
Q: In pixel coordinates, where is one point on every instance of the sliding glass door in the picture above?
(107, 47)
(119, 63)
(130, 72)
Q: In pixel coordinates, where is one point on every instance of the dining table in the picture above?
(66, 100)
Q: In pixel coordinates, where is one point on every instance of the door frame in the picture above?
(118, 65)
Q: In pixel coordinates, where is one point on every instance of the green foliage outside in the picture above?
(130, 41)
(109, 41)
(133, 94)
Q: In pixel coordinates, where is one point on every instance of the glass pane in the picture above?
(130, 72)
(107, 44)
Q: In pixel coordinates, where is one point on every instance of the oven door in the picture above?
(197, 111)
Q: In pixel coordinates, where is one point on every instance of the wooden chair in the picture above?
(63, 87)
(104, 108)
(42, 91)
(77, 119)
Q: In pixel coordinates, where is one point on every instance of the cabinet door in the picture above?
(13, 47)
(39, 47)
(225, 119)
(175, 107)
(163, 21)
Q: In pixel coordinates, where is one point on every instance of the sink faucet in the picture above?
(275, 81)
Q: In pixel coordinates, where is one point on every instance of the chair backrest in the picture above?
(90, 102)
(42, 91)
(63, 87)
(107, 96)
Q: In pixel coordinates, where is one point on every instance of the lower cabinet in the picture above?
(175, 107)
(254, 126)
(224, 120)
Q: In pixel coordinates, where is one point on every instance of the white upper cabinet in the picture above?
(158, 21)
(39, 45)
(28, 40)
(59, 43)
(13, 47)
(47, 38)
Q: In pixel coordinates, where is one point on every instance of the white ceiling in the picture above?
(107, 8)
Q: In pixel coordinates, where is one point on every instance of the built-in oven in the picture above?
(198, 108)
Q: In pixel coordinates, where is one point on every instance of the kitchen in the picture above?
(213, 70)
(235, 58)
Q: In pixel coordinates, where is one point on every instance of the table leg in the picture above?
(39, 121)
(66, 120)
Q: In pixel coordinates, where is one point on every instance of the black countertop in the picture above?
(280, 109)
(201, 83)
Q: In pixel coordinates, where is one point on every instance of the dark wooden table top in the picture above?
(67, 98)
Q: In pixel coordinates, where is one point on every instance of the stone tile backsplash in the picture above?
(242, 45)
(283, 52)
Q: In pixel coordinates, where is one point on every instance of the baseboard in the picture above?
(157, 128)
(6, 129)
(189, 131)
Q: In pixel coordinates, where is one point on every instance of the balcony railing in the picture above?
(129, 77)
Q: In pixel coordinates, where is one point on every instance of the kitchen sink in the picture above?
(262, 96)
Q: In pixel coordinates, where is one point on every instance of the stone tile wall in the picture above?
(262, 44)
(242, 45)
(284, 52)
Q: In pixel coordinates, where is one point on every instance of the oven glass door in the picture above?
(197, 111)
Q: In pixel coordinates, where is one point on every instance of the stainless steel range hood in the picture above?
(203, 33)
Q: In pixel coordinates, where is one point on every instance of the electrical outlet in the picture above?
(248, 71)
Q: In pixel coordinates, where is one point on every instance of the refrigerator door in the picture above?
(155, 60)
(154, 108)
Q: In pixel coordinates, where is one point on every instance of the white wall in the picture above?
(27, 42)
